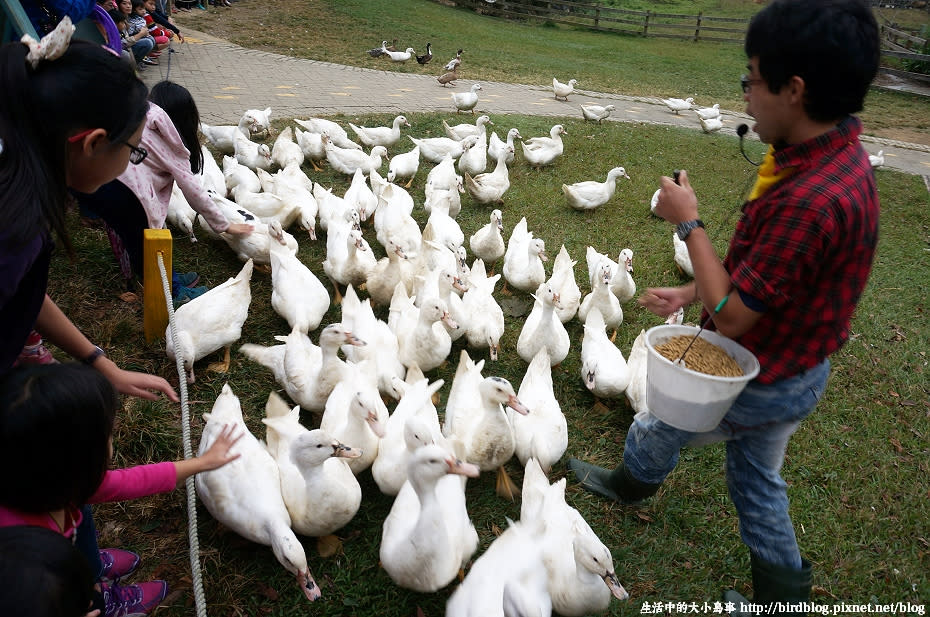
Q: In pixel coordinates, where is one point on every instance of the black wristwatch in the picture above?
(90, 358)
(684, 228)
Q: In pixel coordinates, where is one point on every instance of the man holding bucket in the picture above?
(795, 269)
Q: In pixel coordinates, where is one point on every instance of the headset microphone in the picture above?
(741, 131)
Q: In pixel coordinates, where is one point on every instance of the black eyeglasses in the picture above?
(745, 82)
(137, 154)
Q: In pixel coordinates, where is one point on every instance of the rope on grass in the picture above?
(200, 602)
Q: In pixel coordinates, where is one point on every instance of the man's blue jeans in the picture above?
(756, 431)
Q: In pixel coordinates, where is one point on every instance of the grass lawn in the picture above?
(857, 470)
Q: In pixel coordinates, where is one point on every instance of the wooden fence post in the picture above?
(646, 23)
(697, 31)
(155, 313)
(597, 16)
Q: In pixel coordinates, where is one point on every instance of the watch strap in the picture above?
(685, 228)
(90, 358)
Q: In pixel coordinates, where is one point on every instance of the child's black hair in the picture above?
(43, 574)
(178, 103)
(56, 421)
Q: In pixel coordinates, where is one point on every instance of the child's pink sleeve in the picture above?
(135, 482)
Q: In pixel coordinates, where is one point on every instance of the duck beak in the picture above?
(447, 318)
(629, 266)
(308, 585)
(376, 425)
(514, 403)
(400, 252)
(500, 225)
(462, 468)
(340, 449)
(589, 379)
(351, 339)
(556, 301)
(458, 284)
(493, 351)
(615, 587)
(543, 256)
(359, 244)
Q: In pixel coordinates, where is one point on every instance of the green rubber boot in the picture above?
(619, 484)
(777, 590)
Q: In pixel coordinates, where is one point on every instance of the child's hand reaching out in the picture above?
(215, 457)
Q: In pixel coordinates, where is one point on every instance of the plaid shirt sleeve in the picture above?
(805, 250)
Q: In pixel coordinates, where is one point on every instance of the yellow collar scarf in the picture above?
(768, 176)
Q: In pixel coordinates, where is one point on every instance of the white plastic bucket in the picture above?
(686, 399)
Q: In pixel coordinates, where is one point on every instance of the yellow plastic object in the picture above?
(155, 311)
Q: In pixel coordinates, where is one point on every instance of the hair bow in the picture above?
(52, 45)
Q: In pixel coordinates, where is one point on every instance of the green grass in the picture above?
(501, 50)
(857, 469)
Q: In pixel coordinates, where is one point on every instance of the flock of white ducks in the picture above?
(306, 478)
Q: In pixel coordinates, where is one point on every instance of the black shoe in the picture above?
(619, 484)
(775, 586)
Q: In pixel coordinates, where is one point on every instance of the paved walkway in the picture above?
(226, 79)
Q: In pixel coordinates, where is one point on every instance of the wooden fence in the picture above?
(611, 19)
(902, 45)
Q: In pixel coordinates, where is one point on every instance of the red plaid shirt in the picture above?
(804, 249)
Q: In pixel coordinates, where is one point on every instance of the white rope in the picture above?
(200, 602)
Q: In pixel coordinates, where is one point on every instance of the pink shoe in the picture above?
(117, 563)
(120, 601)
(34, 352)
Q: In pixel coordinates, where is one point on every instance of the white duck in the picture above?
(507, 580)
(596, 112)
(180, 213)
(311, 144)
(223, 138)
(523, 260)
(354, 413)
(496, 145)
(540, 151)
(360, 197)
(449, 200)
(543, 434)
(487, 243)
(877, 160)
(349, 259)
(427, 538)
(399, 56)
(490, 187)
(485, 325)
(212, 177)
(461, 131)
(266, 206)
(604, 370)
(622, 284)
(711, 125)
(677, 105)
(389, 271)
(332, 130)
(251, 154)
(257, 245)
(413, 423)
(382, 351)
(292, 189)
(347, 160)
(245, 494)
(443, 175)
(404, 165)
(579, 567)
(332, 207)
(466, 101)
(590, 194)
(682, 256)
(393, 222)
(475, 159)
(446, 230)
(563, 282)
(235, 174)
(259, 120)
(211, 321)
(636, 363)
(708, 112)
(543, 329)
(285, 150)
(385, 136)
(601, 297)
(296, 293)
(561, 90)
(307, 373)
(434, 149)
(478, 426)
(423, 340)
(319, 490)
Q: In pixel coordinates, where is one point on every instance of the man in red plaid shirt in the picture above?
(796, 267)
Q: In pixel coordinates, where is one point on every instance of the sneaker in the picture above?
(188, 279)
(149, 61)
(117, 563)
(141, 598)
(35, 352)
(186, 294)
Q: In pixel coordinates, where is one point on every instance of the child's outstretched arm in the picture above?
(214, 458)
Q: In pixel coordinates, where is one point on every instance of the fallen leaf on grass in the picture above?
(328, 546)
(267, 591)
(644, 517)
(496, 530)
(897, 445)
(130, 297)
